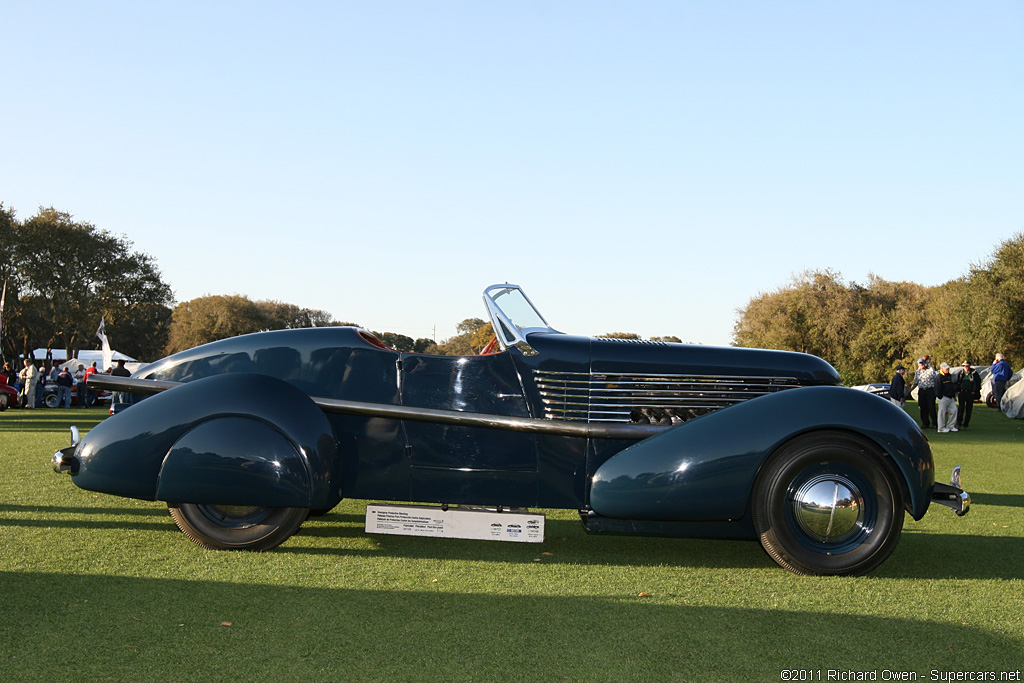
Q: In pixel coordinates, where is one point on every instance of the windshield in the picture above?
(512, 314)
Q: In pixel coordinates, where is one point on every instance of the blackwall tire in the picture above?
(50, 400)
(237, 527)
(828, 504)
(4, 402)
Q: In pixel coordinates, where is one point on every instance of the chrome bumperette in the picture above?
(64, 460)
(952, 495)
(641, 398)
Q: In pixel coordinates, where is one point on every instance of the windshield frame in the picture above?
(506, 331)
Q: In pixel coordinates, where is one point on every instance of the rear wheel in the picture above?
(50, 400)
(828, 504)
(237, 527)
(5, 401)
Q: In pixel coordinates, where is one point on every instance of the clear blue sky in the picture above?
(636, 166)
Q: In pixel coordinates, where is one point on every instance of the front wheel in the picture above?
(237, 527)
(50, 400)
(4, 401)
(827, 504)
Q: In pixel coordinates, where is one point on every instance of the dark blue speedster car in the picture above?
(245, 437)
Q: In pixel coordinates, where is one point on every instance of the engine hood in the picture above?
(619, 356)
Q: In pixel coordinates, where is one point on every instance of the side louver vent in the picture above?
(647, 399)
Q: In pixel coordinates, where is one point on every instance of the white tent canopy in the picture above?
(85, 357)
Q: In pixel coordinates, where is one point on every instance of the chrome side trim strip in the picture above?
(455, 417)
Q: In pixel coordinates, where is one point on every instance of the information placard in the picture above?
(485, 524)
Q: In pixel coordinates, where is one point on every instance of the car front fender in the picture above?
(233, 439)
(704, 469)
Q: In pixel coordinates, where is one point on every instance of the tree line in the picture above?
(865, 330)
(63, 276)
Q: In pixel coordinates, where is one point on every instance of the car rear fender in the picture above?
(232, 439)
(704, 469)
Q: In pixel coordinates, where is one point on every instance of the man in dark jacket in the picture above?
(926, 379)
(64, 383)
(968, 390)
(898, 387)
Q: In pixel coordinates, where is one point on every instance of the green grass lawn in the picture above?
(97, 588)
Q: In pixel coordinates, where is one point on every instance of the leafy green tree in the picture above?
(474, 335)
(424, 345)
(398, 342)
(806, 316)
(620, 335)
(209, 318)
(997, 305)
(67, 274)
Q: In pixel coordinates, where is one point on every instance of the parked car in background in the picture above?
(245, 437)
(878, 389)
(50, 400)
(8, 394)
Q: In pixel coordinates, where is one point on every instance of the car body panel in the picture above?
(692, 473)
(126, 454)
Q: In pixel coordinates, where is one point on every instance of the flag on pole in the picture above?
(108, 355)
(3, 298)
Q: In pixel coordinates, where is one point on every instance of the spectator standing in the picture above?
(11, 375)
(80, 384)
(946, 390)
(29, 381)
(968, 390)
(90, 393)
(64, 383)
(925, 379)
(120, 371)
(898, 387)
(1001, 373)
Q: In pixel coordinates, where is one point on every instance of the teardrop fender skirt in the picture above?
(696, 479)
(232, 439)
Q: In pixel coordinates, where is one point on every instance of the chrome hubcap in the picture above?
(829, 508)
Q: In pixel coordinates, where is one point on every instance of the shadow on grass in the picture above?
(918, 555)
(1005, 500)
(50, 509)
(932, 556)
(123, 628)
(41, 516)
(948, 556)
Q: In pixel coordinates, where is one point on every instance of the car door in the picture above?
(468, 465)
